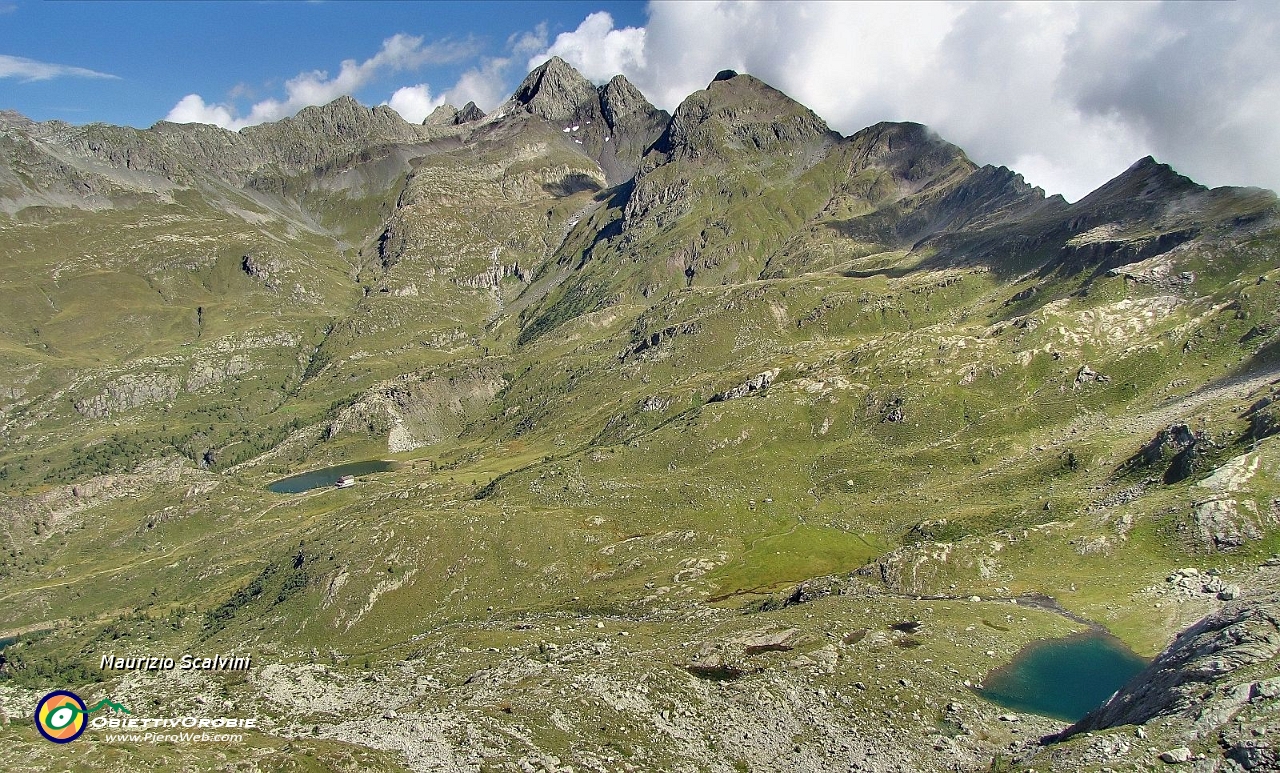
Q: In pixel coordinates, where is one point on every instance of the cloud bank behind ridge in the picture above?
(398, 53)
(1069, 94)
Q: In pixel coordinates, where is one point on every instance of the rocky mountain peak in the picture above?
(1147, 180)
(344, 115)
(448, 115)
(320, 132)
(12, 118)
(613, 124)
(342, 120)
(909, 150)
(555, 91)
(469, 112)
(619, 99)
(745, 111)
(444, 115)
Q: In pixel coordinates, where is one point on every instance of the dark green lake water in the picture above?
(296, 484)
(1064, 678)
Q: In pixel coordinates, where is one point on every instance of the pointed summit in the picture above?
(613, 124)
(556, 91)
(443, 115)
(746, 109)
(621, 100)
(1146, 180)
(633, 124)
(469, 112)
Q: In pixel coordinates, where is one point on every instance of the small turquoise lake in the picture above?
(296, 484)
(1064, 678)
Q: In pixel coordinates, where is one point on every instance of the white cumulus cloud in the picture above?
(414, 103)
(527, 43)
(398, 53)
(192, 109)
(32, 70)
(1069, 94)
(598, 50)
(485, 85)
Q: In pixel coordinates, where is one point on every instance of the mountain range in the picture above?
(719, 440)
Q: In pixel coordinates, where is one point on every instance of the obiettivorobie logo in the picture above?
(61, 716)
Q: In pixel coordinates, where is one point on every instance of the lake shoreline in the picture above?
(326, 477)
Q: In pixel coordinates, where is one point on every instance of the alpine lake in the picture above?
(1064, 678)
(327, 476)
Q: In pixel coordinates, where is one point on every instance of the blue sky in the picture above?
(239, 52)
(1067, 93)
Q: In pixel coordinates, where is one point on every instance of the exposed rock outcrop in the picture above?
(1212, 670)
(491, 278)
(130, 391)
(1087, 375)
(1226, 522)
(757, 383)
(1175, 451)
(728, 659)
(37, 517)
(263, 268)
(415, 410)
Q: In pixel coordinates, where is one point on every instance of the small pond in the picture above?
(296, 484)
(1064, 678)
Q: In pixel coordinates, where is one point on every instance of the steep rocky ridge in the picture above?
(316, 136)
(339, 147)
(747, 183)
(612, 124)
(1145, 211)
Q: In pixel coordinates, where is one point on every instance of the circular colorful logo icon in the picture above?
(61, 716)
